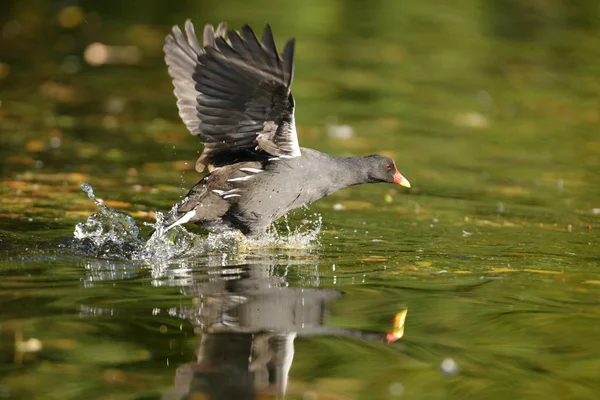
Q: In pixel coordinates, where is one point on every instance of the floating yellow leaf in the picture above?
(502, 270)
(8, 215)
(77, 213)
(543, 271)
(593, 282)
(116, 204)
(374, 258)
(512, 190)
(143, 214)
(167, 188)
(423, 263)
(69, 177)
(20, 160)
(35, 146)
(13, 184)
(408, 268)
(480, 221)
(153, 166)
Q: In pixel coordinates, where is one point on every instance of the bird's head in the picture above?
(383, 169)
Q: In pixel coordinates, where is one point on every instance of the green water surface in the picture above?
(490, 108)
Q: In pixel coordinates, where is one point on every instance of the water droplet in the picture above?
(396, 389)
(55, 142)
(449, 367)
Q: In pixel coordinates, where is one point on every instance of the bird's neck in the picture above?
(349, 171)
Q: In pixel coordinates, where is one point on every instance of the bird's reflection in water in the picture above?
(248, 318)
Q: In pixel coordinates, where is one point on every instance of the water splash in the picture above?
(282, 235)
(86, 187)
(109, 232)
(112, 234)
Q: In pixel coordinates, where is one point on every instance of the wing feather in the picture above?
(233, 91)
(191, 36)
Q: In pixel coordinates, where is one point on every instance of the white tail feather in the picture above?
(186, 218)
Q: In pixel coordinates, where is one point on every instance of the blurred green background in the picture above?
(490, 108)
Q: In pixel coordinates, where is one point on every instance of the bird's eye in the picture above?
(388, 166)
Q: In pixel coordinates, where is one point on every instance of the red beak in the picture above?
(400, 180)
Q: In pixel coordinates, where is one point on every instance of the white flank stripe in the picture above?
(252, 170)
(231, 195)
(279, 158)
(244, 178)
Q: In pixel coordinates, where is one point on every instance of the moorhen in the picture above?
(234, 93)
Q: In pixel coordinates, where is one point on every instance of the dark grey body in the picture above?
(284, 185)
(233, 92)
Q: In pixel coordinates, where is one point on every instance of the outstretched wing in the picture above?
(233, 92)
